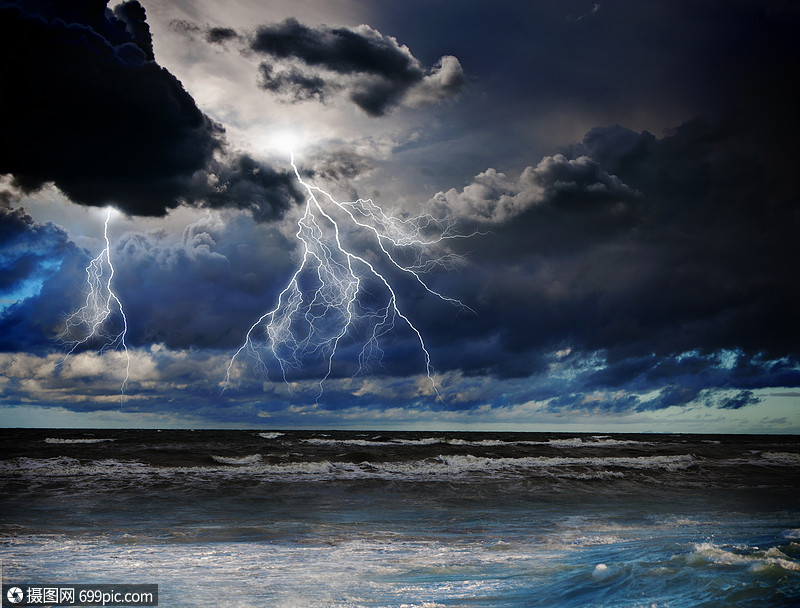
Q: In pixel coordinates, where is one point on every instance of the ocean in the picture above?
(406, 519)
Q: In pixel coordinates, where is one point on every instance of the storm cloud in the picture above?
(494, 198)
(639, 250)
(373, 70)
(40, 267)
(628, 181)
(89, 109)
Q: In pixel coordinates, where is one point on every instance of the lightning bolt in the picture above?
(323, 301)
(90, 321)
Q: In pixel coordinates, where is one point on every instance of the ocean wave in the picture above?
(456, 441)
(592, 442)
(574, 442)
(271, 435)
(450, 465)
(237, 460)
(601, 572)
(24, 463)
(91, 440)
(467, 463)
(595, 475)
(755, 559)
(358, 442)
(63, 466)
(778, 458)
(384, 441)
(482, 443)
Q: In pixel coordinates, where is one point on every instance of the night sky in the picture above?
(622, 177)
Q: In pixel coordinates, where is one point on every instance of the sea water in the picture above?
(379, 519)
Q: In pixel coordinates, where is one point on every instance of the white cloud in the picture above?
(495, 198)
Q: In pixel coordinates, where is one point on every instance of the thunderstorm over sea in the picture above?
(431, 304)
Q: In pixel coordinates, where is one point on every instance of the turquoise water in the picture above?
(378, 520)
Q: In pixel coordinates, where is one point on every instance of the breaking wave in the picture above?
(87, 440)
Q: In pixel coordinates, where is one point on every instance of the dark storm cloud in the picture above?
(39, 268)
(89, 109)
(642, 249)
(374, 70)
(204, 291)
(132, 14)
(740, 400)
(216, 35)
(341, 50)
(557, 182)
(629, 271)
(242, 182)
(293, 84)
(688, 376)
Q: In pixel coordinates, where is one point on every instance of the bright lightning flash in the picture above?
(350, 251)
(90, 323)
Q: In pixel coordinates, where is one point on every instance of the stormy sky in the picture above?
(622, 175)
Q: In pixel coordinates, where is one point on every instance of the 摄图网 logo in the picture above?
(14, 595)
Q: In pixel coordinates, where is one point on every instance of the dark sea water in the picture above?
(423, 519)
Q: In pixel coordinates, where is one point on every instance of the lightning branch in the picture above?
(102, 318)
(324, 300)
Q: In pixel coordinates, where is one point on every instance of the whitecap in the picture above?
(358, 442)
(779, 458)
(86, 440)
(237, 460)
(601, 572)
(756, 560)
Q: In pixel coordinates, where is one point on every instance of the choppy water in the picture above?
(346, 519)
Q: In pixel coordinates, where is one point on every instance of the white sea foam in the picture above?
(574, 442)
(465, 442)
(595, 475)
(394, 442)
(274, 435)
(755, 559)
(87, 440)
(442, 465)
(779, 458)
(483, 443)
(597, 441)
(237, 460)
(467, 463)
(358, 442)
(421, 441)
(25, 463)
(318, 573)
(62, 466)
(601, 572)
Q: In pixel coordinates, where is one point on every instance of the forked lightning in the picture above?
(90, 323)
(343, 244)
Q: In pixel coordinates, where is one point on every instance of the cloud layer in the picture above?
(614, 271)
(372, 70)
(96, 115)
(641, 249)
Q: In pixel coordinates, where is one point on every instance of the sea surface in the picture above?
(377, 519)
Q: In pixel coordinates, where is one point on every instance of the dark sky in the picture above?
(622, 175)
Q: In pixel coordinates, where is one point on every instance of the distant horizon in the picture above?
(390, 430)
